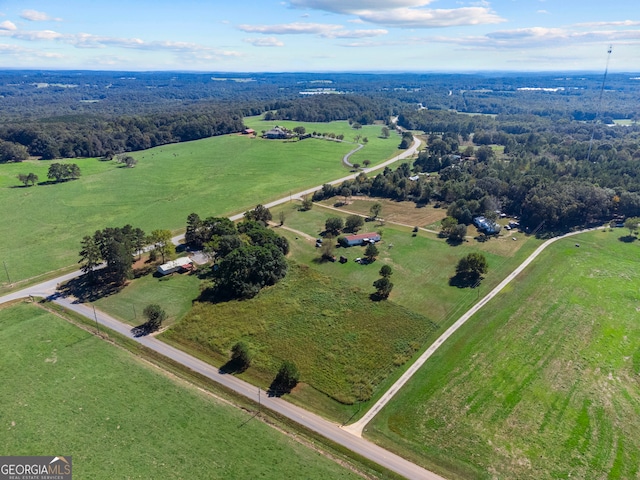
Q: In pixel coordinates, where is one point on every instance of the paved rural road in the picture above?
(357, 427)
(298, 196)
(316, 423)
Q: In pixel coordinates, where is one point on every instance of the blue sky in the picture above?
(320, 35)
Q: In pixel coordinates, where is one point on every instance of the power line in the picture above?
(595, 120)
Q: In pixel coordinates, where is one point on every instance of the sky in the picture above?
(320, 35)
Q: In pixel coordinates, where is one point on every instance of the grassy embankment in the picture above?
(43, 227)
(542, 383)
(121, 418)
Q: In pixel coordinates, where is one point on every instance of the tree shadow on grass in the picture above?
(628, 238)
(232, 366)
(464, 280)
(89, 289)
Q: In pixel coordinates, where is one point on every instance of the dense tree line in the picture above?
(552, 174)
(327, 108)
(100, 137)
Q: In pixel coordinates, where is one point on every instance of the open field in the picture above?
(543, 383)
(344, 344)
(121, 418)
(422, 264)
(376, 150)
(43, 225)
(174, 293)
(406, 213)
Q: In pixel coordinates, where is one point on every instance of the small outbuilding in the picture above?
(248, 131)
(182, 263)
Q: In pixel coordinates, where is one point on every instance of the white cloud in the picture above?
(353, 6)
(321, 29)
(22, 52)
(623, 23)
(406, 13)
(421, 18)
(36, 16)
(543, 12)
(538, 37)
(8, 25)
(265, 42)
(295, 28)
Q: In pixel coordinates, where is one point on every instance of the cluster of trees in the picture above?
(383, 285)
(469, 270)
(61, 172)
(248, 256)
(12, 152)
(114, 246)
(26, 179)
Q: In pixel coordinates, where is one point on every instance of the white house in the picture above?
(175, 265)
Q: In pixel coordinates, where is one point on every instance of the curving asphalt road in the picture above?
(357, 427)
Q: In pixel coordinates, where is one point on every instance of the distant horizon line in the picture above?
(326, 72)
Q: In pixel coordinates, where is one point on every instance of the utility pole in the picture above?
(6, 271)
(95, 315)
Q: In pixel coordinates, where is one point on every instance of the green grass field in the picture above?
(43, 225)
(66, 392)
(344, 344)
(174, 293)
(422, 264)
(542, 383)
(376, 150)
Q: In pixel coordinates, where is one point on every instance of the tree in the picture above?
(346, 193)
(161, 240)
(32, 178)
(300, 130)
(385, 132)
(90, 256)
(407, 140)
(633, 224)
(447, 225)
(356, 125)
(458, 233)
(63, 171)
(23, 178)
(386, 271)
(366, 162)
(241, 356)
(371, 252)
(471, 267)
(155, 315)
(375, 210)
(282, 216)
(333, 225)
(287, 378)
(259, 214)
(307, 203)
(356, 166)
(383, 287)
(353, 223)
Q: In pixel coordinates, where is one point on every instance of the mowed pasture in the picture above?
(68, 392)
(344, 344)
(543, 383)
(43, 225)
(376, 150)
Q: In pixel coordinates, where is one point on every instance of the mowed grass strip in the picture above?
(43, 225)
(542, 383)
(343, 343)
(68, 392)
